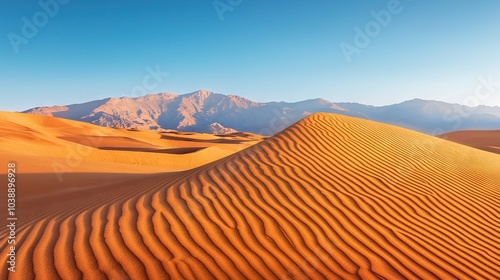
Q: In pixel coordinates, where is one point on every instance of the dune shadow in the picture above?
(51, 193)
(214, 141)
(172, 151)
(236, 134)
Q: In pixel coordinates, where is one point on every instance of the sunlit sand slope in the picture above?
(45, 144)
(331, 197)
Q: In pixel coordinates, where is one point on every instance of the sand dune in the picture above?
(53, 144)
(487, 140)
(331, 197)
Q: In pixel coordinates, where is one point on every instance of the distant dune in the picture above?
(45, 144)
(330, 197)
(487, 140)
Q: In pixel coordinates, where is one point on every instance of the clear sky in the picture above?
(264, 50)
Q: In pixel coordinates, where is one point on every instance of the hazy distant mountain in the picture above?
(431, 117)
(204, 111)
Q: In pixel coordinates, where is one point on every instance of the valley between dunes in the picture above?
(330, 197)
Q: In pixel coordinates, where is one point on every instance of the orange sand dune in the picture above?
(47, 144)
(487, 140)
(331, 197)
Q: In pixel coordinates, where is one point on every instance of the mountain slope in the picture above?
(331, 197)
(190, 112)
(202, 110)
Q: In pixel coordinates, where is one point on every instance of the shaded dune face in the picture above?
(331, 197)
(487, 140)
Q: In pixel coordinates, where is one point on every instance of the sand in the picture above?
(487, 140)
(331, 197)
(54, 144)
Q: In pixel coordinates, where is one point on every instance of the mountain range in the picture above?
(208, 112)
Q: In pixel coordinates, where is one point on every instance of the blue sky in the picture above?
(262, 50)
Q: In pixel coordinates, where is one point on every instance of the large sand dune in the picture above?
(331, 197)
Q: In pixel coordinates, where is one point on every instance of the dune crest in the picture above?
(331, 197)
